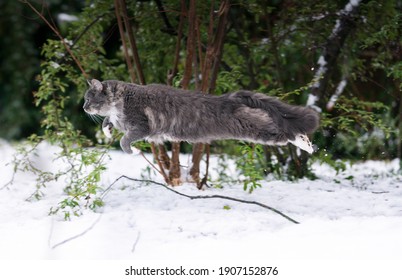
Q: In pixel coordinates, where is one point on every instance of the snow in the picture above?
(62, 17)
(55, 65)
(311, 100)
(356, 214)
(352, 3)
(339, 90)
(322, 68)
(322, 63)
(349, 7)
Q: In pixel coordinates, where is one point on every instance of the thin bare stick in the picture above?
(123, 41)
(161, 170)
(136, 242)
(131, 38)
(218, 43)
(173, 72)
(78, 235)
(63, 41)
(190, 48)
(150, 163)
(216, 196)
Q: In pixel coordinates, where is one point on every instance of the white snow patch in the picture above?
(312, 102)
(62, 17)
(321, 61)
(352, 3)
(320, 71)
(55, 65)
(339, 89)
(312, 99)
(356, 214)
(345, 11)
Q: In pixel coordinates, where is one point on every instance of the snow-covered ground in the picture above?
(353, 215)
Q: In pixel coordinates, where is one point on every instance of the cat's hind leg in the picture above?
(303, 143)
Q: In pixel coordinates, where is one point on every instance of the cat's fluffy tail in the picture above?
(294, 121)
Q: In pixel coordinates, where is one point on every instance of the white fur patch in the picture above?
(113, 117)
(135, 150)
(303, 143)
(107, 130)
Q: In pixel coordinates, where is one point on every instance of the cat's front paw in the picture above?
(135, 150)
(107, 130)
(126, 145)
(127, 150)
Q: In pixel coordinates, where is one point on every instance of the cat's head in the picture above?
(97, 99)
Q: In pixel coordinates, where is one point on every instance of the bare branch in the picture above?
(169, 29)
(327, 61)
(136, 242)
(56, 31)
(78, 235)
(131, 38)
(202, 196)
(123, 41)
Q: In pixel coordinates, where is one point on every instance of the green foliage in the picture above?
(57, 98)
(251, 163)
(357, 130)
(223, 172)
(324, 157)
(352, 112)
(227, 207)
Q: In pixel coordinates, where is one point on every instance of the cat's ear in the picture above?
(97, 85)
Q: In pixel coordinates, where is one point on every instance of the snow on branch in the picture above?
(327, 61)
(345, 12)
(339, 90)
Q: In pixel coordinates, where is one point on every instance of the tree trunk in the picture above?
(326, 64)
(174, 171)
(198, 149)
(210, 69)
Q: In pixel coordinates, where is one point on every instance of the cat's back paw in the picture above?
(303, 143)
(135, 151)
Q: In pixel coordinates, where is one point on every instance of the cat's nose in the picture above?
(86, 105)
(86, 108)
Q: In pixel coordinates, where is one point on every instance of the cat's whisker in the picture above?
(98, 119)
(95, 118)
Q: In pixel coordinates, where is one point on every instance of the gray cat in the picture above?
(161, 113)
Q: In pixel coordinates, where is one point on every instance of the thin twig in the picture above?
(123, 41)
(133, 44)
(202, 196)
(85, 30)
(136, 242)
(150, 163)
(57, 33)
(161, 170)
(78, 235)
(162, 12)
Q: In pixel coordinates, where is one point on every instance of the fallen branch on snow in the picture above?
(78, 235)
(201, 196)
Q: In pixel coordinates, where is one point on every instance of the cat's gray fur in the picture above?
(158, 113)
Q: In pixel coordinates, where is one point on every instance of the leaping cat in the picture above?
(159, 113)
